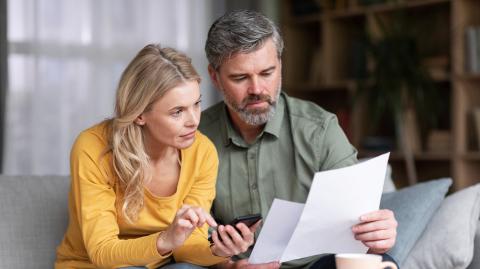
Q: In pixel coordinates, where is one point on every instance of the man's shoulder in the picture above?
(211, 115)
(210, 122)
(302, 111)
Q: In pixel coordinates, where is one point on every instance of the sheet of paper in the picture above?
(336, 200)
(279, 225)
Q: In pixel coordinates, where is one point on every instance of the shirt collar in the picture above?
(229, 134)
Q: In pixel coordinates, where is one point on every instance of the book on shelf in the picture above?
(472, 50)
(439, 141)
(315, 75)
(437, 66)
(477, 46)
(476, 123)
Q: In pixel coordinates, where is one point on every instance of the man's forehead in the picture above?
(264, 56)
(249, 64)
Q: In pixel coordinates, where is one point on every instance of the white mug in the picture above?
(361, 261)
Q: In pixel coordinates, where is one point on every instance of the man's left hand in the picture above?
(377, 230)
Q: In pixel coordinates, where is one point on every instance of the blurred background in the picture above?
(402, 76)
(61, 61)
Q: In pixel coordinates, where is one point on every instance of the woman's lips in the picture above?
(189, 135)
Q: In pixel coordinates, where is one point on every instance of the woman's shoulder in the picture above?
(94, 138)
(201, 147)
(202, 142)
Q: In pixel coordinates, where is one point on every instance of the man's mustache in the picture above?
(255, 98)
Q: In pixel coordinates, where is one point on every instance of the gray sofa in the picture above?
(33, 211)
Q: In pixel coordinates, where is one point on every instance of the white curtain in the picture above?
(65, 59)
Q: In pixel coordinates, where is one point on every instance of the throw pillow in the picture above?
(413, 207)
(449, 238)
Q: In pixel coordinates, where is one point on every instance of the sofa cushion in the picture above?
(413, 207)
(475, 264)
(448, 241)
(34, 212)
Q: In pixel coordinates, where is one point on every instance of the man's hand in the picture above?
(243, 264)
(232, 242)
(377, 230)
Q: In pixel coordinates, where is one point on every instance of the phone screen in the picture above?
(248, 220)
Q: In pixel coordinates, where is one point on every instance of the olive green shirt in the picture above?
(301, 139)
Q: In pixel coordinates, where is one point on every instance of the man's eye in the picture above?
(267, 74)
(238, 79)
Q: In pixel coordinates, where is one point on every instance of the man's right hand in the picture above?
(231, 242)
(243, 264)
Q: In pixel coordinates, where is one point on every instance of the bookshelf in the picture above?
(322, 64)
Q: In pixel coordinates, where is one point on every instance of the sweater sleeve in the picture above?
(196, 249)
(94, 202)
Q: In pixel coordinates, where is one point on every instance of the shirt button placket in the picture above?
(252, 178)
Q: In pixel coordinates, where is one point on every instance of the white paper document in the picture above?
(323, 224)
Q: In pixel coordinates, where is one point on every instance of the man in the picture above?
(269, 144)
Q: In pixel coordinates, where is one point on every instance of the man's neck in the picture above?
(248, 132)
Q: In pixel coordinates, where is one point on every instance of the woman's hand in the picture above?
(186, 220)
(232, 242)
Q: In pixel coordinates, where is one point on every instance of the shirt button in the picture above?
(254, 186)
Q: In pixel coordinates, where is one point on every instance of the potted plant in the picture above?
(399, 86)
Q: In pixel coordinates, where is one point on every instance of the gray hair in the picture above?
(240, 31)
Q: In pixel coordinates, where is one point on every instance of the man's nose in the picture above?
(254, 86)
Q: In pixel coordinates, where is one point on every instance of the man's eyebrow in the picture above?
(269, 69)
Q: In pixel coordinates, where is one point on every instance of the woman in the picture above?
(143, 181)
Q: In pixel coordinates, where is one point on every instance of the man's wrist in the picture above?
(213, 250)
(227, 264)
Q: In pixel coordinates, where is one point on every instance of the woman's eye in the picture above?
(198, 102)
(177, 113)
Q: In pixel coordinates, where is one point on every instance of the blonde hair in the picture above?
(152, 73)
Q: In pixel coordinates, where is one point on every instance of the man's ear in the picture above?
(213, 76)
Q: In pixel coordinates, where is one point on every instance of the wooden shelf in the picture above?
(442, 78)
(334, 86)
(381, 8)
(433, 156)
(306, 19)
(394, 155)
(420, 156)
(469, 77)
(332, 43)
(472, 156)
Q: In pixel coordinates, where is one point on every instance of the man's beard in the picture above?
(256, 116)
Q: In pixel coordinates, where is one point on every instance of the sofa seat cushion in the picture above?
(34, 212)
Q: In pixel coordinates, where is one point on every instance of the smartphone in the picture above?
(248, 220)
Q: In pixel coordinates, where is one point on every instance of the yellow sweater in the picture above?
(97, 237)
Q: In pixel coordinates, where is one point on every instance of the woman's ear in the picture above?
(140, 120)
